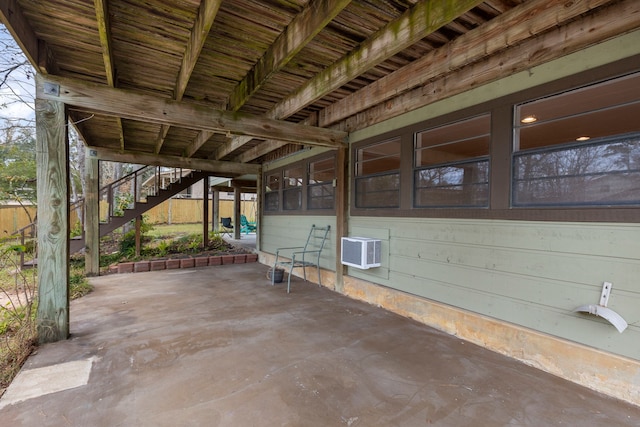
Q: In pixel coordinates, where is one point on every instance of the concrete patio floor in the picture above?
(218, 346)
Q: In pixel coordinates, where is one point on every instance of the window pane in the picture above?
(293, 177)
(579, 148)
(596, 111)
(455, 142)
(272, 201)
(292, 198)
(273, 182)
(320, 189)
(321, 196)
(377, 158)
(452, 166)
(381, 191)
(599, 173)
(322, 171)
(459, 185)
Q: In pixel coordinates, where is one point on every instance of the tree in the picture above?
(17, 123)
(17, 164)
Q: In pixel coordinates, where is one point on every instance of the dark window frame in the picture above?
(500, 159)
(302, 190)
(464, 199)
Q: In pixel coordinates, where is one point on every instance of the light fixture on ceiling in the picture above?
(529, 119)
(583, 138)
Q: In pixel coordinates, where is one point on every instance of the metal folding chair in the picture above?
(303, 256)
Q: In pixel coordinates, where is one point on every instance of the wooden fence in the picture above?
(173, 211)
(14, 217)
(184, 211)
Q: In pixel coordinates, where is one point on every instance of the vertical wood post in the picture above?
(259, 210)
(205, 213)
(53, 220)
(138, 235)
(342, 206)
(237, 199)
(92, 216)
(215, 217)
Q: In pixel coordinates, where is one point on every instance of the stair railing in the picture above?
(136, 187)
(140, 184)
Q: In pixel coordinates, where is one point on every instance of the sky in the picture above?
(18, 92)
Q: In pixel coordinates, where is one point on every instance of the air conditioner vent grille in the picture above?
(361, 252)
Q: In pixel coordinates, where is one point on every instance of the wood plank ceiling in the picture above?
(253, 71)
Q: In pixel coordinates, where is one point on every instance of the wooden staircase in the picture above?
(127, 198)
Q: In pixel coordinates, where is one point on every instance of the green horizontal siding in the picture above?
(530, 274)
(279, 231)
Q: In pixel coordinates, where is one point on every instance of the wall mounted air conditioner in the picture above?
(360, 252)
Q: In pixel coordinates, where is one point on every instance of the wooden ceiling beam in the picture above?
(206, 15)
(304, 27)
(148, 108)
(257, 151)
(267, 146)
(601, 24)
(508, 29)
(104, 30)
(416, 23)
(422, 19)
(227, 169)
(230, 146)
(202, 137)
(36, 51)
(204, 21)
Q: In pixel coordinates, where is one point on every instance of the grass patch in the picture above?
(18, 335)
(165, 231)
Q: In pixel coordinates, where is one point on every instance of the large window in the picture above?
(377, 171)
(307, 186)
(568, 150)
(452, 164)
(579, 148)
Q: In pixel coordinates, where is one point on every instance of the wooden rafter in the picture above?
(149, 108)
(104, 29)
(508, 29)
(304, 27)
(416, 23)
(297, 35)
(574, 35)
(202, 137)
(268, 146)
(204, 21)
(228, 169)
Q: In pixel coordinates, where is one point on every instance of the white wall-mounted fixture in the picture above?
(360, 252)
(601, 309)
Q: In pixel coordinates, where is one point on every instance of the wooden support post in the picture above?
(215, 218)
(138, 234)
(205, 213)
(53, 220)
(92, 216)
(342, 206)
(237, 199)
(259, 210)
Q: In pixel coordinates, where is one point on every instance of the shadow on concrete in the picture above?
(219, 346)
